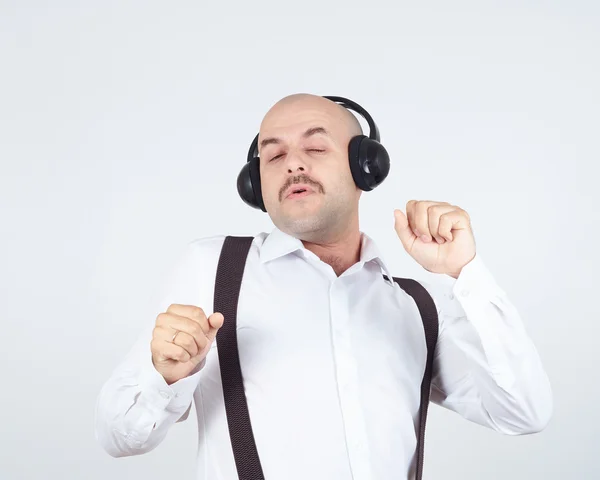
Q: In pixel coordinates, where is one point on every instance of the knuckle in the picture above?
(189, 344)
(155, 333)
(172, 307)
(196, 329)
(433, 209)
(184, 356)
(154, 345)
(196, 312)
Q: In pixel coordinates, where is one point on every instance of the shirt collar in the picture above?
(278, 243)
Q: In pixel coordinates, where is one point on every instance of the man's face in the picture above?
(303, 144)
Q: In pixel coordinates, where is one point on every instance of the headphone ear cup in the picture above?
(248, 184)
(369, 162)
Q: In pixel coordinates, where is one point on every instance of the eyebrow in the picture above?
(311, 131)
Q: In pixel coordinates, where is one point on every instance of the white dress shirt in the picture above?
(332, 366)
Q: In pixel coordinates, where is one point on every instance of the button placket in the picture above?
(347, 375)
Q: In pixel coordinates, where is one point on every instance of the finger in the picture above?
(216, 321)
(434, 212)
(402, 227)
(174, 322)
(455, 220)
(187, 342)
(192, 312)
(184, 340)
(410, 215)
(420, 219)
(169, 351)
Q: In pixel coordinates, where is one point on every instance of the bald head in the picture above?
(293, 104)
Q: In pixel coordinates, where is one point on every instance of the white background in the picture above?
(123, 126)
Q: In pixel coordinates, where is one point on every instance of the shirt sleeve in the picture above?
(136, 406)
(486, 367)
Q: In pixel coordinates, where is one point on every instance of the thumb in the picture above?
(405, 233)
(215, 321)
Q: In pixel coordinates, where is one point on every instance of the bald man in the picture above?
(331, 349)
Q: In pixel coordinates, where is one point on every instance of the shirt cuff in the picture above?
(475, 278)
(175, 397)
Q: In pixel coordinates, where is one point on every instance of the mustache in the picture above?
(301, 179)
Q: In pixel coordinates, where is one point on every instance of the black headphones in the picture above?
(369, 160)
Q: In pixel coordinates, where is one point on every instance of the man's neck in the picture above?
(341, 252)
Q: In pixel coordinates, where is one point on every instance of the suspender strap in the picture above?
(429, 316)
(230, 271)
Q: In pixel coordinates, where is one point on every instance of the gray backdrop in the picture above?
(123, 126)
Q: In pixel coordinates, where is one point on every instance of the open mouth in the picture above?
(299, 192)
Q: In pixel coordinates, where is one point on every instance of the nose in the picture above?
(295, 162)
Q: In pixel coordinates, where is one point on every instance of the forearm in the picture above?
(502, 387)
(136, 407)
(489, 370)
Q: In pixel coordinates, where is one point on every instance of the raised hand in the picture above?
(181, 339)
(437, 235)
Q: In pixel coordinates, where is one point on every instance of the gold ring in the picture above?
(173, 339)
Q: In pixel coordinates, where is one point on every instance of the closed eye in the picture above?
(318, 150)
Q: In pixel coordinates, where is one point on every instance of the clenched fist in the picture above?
(181, 339)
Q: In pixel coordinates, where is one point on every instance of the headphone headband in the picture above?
(350, 105)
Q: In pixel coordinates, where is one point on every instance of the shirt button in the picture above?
(465, 293)
(164, 394)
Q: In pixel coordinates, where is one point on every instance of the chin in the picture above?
(305, 225)
(313, 217)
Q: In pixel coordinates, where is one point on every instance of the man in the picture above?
(332, 352)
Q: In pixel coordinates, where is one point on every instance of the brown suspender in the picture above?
(230, 271)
